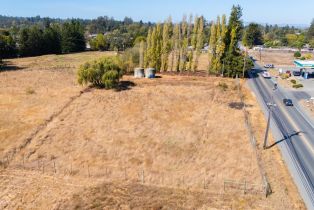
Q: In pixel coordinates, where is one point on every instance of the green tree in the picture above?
(184, 44)
(166, 45)
(52, 39)
(72, 37)
(99, 42)
(31, 42)
(177, 45)
(253, 35)
(212, 47)
(148, 50)
(195, 32)
(7, 46)
(141, 54)
(310, 32)
(235, 27)
(199, 41)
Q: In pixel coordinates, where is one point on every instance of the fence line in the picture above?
(136, 175)
(248, 124)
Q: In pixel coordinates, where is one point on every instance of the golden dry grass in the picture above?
(178, 130)
(279, 59)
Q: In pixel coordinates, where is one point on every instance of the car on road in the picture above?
(287, 102)
(269, 66)
(266, 75)
(296, 73)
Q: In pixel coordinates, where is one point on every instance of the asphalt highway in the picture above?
(294, 133)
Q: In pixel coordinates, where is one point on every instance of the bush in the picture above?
(297, 86)
(284, 76)
(104, 72)
(297, 54)
(223, 86)
(302, 58)
(293, 81)
(308, 56)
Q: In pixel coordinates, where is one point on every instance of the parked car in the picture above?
(269, 66)
(287, 102)
(266, 75)
(296, 73)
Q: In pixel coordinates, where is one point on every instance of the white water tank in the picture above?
(150, 73)
(139, 73)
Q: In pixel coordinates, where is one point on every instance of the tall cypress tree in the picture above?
(184, 44)
(195, 30)
(147, 54)
(177, 45)
(199, 41)
(166, 44)
(142, 52)
(212, 47)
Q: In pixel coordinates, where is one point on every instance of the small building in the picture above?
(306, 68)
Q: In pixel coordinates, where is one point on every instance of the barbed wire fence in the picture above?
(201, 181)
(248, 124)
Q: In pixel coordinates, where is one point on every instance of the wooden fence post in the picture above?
(54, 167)
(143, 178)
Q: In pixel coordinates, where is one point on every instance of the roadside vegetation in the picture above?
(276, 36)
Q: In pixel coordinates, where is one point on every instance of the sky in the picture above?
(292, 12)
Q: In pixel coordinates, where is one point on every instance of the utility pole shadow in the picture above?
(295, 133)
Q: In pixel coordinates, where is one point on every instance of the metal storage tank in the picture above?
(150, 73)
(139, 73)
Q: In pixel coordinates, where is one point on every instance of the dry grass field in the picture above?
(279, 59)
(167, 143)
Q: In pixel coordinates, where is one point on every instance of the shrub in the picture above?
(293, 81)
(302, 58)
(297, 54)
(104, 72)
(223, 86)
(297, 86)
(308, 56)
(284, 76)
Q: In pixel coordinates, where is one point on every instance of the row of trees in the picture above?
(34, 41)
(181, 42)
(179, 46)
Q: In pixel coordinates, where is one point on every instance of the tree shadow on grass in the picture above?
(238, 105)
(7, 66)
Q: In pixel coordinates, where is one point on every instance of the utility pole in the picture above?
(223, 68)
(260, 54)
(244, 66)
(270, 111)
